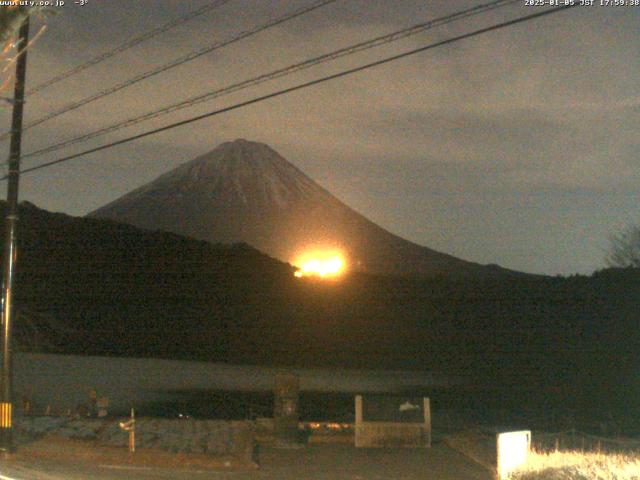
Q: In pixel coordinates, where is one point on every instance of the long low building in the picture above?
(65, 381)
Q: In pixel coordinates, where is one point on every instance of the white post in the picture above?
(426, 405)
(512, 449)
(358, 426)
(132, 432)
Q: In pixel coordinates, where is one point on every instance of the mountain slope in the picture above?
(246, 192)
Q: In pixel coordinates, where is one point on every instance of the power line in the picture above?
(175, 63)
(302, 86)
(279, 73)
(127, 45)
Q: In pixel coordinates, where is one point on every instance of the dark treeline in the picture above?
(89, 286)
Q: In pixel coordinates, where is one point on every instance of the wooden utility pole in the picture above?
(10, 257)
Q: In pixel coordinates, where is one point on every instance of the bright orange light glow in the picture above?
(318, 264)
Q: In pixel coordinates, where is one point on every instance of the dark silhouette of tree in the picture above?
(625, 248)
(11, 17)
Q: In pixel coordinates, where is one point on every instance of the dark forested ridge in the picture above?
(93, 286)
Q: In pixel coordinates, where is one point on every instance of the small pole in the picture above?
(132, 432)
(426, 406)
(10, 247)
(130, 427)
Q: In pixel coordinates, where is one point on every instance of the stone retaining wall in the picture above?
(214, 437)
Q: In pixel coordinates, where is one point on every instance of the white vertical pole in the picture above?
(358, 428)
(132, 432)
(426, 405)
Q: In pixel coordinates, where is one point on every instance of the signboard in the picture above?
(513, 450)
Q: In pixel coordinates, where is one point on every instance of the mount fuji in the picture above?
(245, 191)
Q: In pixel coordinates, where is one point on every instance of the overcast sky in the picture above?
(519, 147)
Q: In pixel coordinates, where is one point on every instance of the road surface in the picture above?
(314, 462)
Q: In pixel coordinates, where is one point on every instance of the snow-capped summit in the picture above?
(238, 172)
(254, 173)
(245, 191)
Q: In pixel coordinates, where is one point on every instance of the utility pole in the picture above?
(10, 248)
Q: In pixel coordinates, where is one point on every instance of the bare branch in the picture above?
(625, 249)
